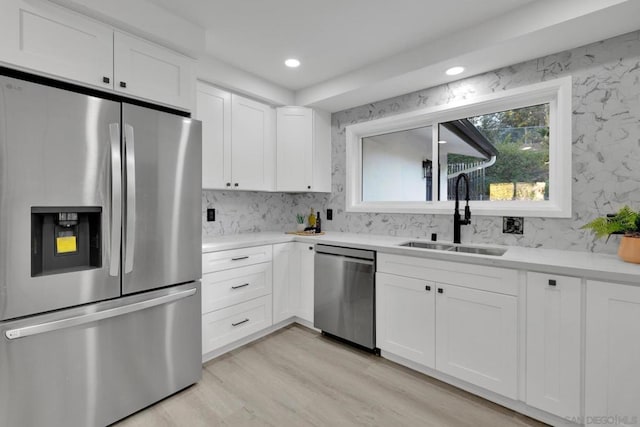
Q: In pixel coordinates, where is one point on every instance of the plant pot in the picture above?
(300, 227)
(629, 249)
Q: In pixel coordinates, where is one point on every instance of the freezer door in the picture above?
(163, 196)
(57, 149)
(93, 365)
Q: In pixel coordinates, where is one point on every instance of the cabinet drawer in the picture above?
(227, 325)
(225, 288)
(492, 279)
(224, 260)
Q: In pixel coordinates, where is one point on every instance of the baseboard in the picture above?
(514, 405)
(255, 336)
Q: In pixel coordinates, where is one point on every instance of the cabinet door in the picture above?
(405, 317)
(213, 108)
(252, 144)
(476, 337)
(146, 70)
(307, 258)
(554, 344)
(44, 37)
(286, 293)
(612, 383)
(294, 148)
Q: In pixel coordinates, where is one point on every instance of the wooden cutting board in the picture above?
(305, 233)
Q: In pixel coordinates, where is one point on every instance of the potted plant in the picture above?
(300, 220)
(626, 221)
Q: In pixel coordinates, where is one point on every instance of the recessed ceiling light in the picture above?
(292, 63)
(454, 71)
(442, 142)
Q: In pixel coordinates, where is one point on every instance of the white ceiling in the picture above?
(330, 37)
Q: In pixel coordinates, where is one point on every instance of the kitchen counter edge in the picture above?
(589, 265)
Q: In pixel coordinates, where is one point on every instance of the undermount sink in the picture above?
(428, 245)
(479, 251)
(455, 248)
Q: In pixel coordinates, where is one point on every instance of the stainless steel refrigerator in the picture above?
(100, 256)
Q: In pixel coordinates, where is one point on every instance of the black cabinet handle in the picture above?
(308, 187)
(552, 282)
(440, 291)
(106, 80)
(123, 84)
(427, 288)
(239, 258)
(235, 185)
(240, 322)
(240, 286)
(310, 248)
(228, 184)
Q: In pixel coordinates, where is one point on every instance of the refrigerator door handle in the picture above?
(130, 238)
(116, 199)
(75, 321)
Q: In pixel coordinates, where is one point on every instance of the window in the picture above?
(515, 147)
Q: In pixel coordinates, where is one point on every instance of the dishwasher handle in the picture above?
(346, 252)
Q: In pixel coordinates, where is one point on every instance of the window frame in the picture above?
(557, 93)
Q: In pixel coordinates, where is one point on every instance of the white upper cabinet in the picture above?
(146, 70)
(43, 37)
(252, 144)
(238, 141)
(612, 383)
(554, 345)
(213, 108)
(303, 150)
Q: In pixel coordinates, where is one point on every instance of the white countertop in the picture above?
(571, 263)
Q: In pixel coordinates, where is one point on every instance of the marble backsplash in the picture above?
(605, 156)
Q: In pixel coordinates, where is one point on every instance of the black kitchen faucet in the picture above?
(457, 222)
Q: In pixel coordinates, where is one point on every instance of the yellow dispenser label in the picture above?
(65, 245)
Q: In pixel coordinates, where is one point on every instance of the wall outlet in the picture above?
(211, 215)
(329, 214)
(513, 224)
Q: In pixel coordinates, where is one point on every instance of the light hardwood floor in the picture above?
(297, 377)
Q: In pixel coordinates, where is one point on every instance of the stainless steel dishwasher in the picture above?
(344, 294)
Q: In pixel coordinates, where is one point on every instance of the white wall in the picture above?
(392, 170)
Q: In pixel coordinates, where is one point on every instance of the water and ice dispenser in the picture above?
(65, 239)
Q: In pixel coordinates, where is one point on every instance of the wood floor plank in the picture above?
(297, 377)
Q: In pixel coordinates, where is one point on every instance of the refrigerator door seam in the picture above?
(94, 317)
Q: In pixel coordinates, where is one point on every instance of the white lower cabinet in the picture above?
(307, 271)
(230, 324)
(441, 315)
(477, 337)
(228, 287)
(405, 317)
(612, 364)
(236, 295)
(554, 344)
(293, 271)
